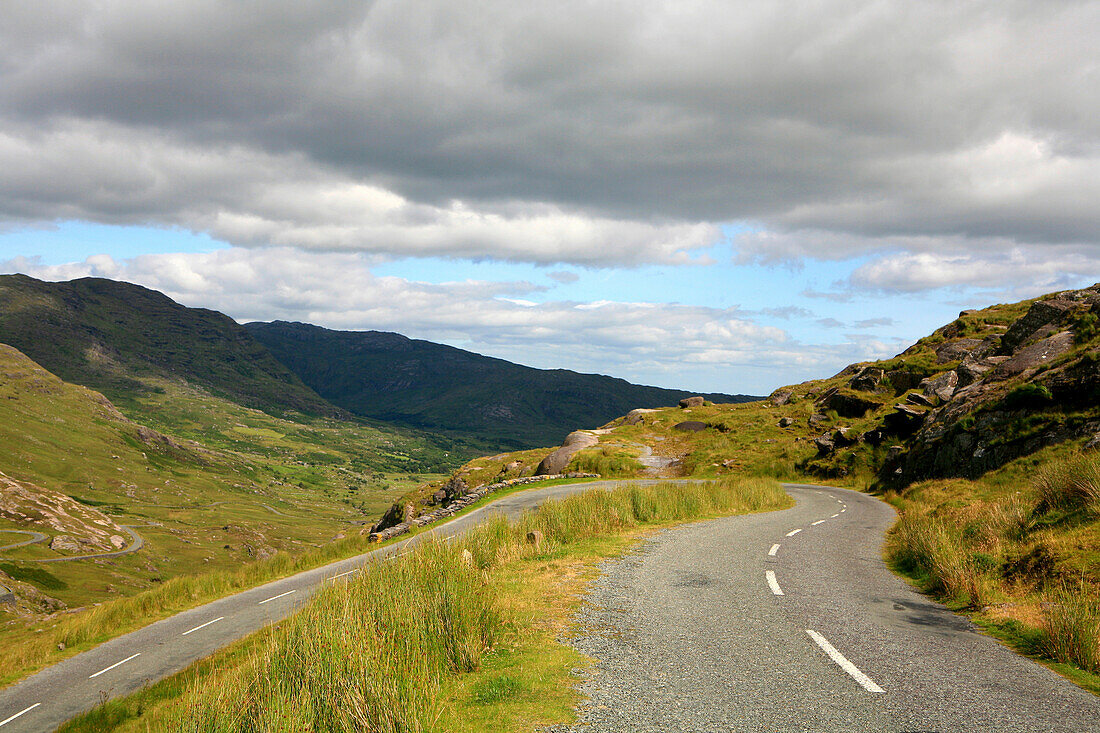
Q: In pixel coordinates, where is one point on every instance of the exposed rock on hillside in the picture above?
(557, 461)
(79, 528)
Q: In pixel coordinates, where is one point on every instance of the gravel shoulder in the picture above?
(688, 634)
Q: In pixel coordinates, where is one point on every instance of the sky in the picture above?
(716, 196)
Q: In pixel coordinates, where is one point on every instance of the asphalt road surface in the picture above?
(127, 663)
(790, 621)
(700, 638)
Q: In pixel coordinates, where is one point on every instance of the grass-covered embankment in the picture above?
(452, 636)
(1017, 550)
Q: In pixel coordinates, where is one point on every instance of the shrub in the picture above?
(1026, 396)
(1071, 628)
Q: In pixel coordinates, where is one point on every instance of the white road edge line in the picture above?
(775, 549)
(124, 661)
(814, 524)
(278, 596)
(202, 626)
(773, 583)
(853, 671)
(793, 532)
(5, 721)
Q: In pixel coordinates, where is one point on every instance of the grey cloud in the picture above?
(829, 323)
(874, 322)
(847, 122)
(563, 276)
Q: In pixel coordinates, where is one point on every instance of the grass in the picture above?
(1016, 550)
(467, 643)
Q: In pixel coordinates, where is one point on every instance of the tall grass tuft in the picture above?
(372, 655)
(1070, 485)
(1071, 628)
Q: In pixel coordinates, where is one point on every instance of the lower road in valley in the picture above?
(790, 621)
(780, 621)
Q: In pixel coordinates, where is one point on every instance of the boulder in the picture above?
(902, 380)
(824, 445)
(439, 496)
(65, 543)
(876, 436)
(1040, 314)
(916, 398)
(556, 462)
(848, 405)
(817, 420)
(786, 422)
(867, 380)
(904, 421)
(1037, 354)
(634, 417)
(955, 350)
(941, 387)
(455, 487)
(534, 538)
(781, 397)
(692, 402)
(690, 426)
(513, 466)
(842, 437)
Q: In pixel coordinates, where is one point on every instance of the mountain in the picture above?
(426, 385)
(111, 336)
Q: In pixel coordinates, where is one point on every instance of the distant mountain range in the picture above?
(426, 385)
(111, 336)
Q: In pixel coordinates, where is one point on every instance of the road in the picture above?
(790, 621)
(125, 664)
(34, 537)
(702, 639)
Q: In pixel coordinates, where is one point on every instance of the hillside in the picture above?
(422, 384)
(111, 336)
(985, 435)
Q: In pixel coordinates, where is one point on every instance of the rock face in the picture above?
(574, 442)
(845, 405)
(66, 544)
(867, 380)
(941, 387)
(692, 402)
(786, 422)
(781, 397)
(38, 508)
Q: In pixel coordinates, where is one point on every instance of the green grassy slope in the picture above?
(111, 335)
(419, 383)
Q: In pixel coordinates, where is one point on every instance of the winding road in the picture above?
(34, 537)
(780, 621)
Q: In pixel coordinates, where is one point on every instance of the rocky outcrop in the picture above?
(690, 426)
(867, 380)
(941, 387)
(781, 397)
(692, 402)
(845, 404)
(382, 531)
(77, 527)
(575, 442)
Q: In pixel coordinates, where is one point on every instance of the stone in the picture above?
(690, 426)
(842, 437)
(781, 397)
(1029, 357)
(941, 387)
(847, 405)
(1092, 444)
(65, 543)
(875, 436)
(824, 445)
(817, 420)
(439, 496)
(513, 466)
(902, 380)
(637, 416)
(696, 401)
(467, 558)
(534, 538)
(786, 422)
(455, 487)
(556, 462)
(955, 350)
(1041, 313)
(916, 398)
(867, 380)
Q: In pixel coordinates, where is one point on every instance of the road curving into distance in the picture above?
(785, 620)
(790, 621)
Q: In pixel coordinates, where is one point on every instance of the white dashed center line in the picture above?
(814, 524)
(108, 669)
(773, 583)
(278, 596)
(775, 549)
(835, 516)
(202, 626)
(793, 532)
(866, 682)
(5, 721)
(334, 577)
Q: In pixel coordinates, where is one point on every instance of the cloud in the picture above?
(590, 133)
(714, 349)
(874, 322)
(829, 323)
(563, 276)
